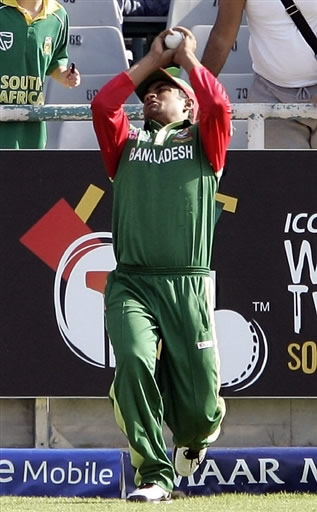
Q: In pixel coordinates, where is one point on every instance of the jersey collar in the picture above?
(161, 132)
(48, 7)
(154, 125)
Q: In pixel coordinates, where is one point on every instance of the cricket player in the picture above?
(33, 44)
(159, 311)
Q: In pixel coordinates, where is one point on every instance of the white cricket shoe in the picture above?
(149, 492)
(187, 461)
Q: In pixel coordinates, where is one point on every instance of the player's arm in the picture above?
(58, 66)
(214, 104)
(215, 115)
(223, 34)
(110, 121)
(158, 57)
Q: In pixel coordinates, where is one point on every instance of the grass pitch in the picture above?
(219, 503)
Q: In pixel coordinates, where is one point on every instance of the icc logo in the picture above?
(82, 259)
(79, 308)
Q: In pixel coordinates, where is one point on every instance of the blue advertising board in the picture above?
(109, 474)
(246, 470)
(85, 473)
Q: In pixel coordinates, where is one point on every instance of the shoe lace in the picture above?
(191, 455)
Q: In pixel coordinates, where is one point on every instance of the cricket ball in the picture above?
(172, 41)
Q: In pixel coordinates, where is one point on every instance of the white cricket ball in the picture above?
(173, 40)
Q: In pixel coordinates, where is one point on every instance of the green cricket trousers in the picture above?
(160, 323)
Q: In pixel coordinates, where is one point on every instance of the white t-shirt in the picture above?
(278, 50)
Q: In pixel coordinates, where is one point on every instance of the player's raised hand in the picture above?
(161, 55)
(184, 55)
(187, 46)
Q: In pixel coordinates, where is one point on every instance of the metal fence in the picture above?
(254, 113)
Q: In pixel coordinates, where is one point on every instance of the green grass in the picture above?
(219, 503)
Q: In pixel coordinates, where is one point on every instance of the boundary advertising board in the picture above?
(55, 214)
(108, 473)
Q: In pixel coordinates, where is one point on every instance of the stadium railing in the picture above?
(254, 113)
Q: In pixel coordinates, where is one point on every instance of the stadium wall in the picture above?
(275, 405)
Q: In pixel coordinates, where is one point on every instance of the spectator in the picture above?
(144, 7)
(141, 8)
(33, 44)
(165, 177)
(284, 64)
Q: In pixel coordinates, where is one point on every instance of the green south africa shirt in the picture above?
(29, 50)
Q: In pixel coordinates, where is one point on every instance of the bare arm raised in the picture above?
(223, 34)
(158, 57)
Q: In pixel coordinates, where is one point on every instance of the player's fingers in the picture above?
(184, 30)
(165, 32)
